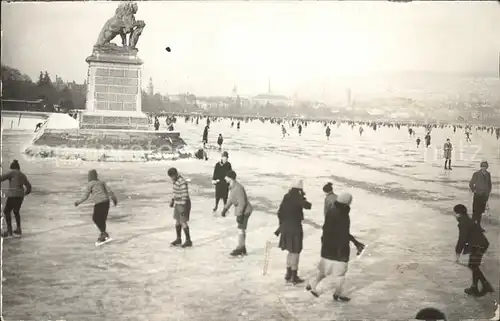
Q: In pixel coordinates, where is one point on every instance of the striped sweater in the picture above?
(181, 191)
(98, 192)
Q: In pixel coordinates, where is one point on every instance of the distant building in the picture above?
(23, 105)
(269, 98)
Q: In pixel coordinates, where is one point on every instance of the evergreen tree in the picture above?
(40, 79)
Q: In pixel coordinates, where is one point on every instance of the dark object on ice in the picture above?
(430, 314)
(341, 298)
(167, 49)
(239, 251)
(201, 154)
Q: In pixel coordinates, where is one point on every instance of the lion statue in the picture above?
(122, 23)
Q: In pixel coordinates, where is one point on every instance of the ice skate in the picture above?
(188, 243)
(177, 242)
(242, 251)
(341, 298)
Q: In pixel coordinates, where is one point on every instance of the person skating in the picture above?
(472, 241)
(19, 187)
(447, 148)
(205, 136)
(427, 140)
(290, 216)
(335, 248)
(100, 194)
(181, 202)
(219, 180)
(300, 129)
(418, 142)
(242, 209)
(220, 141)
(480, 184)
(328, 132)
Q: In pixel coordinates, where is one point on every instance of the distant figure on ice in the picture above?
(410, 131)
(19, 187)
(238, 125)
(157, 123)
(283, 131)
(427, 140)
(300, 129)
(447, 148)
(205, 136)
(335, 248)
(171, 127)
(219, 180)
(38, 127)
(232, 124)
(220, 141)
(327, 132)
(472, 241)
(467, 136)
(361, 130)
(242, 209)
(201, 154)
(181, 202)
(290, 216)
(480, 184)
(418, 142)
(100, 194)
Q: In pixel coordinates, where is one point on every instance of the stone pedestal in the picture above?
(114, 90)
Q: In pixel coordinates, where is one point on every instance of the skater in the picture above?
(100, 193)
(300, 129)
(328, 131)
(427, 140)
(291, 215)
(447, 154)
(19, 187)
(361, 130)
(219, 180)
(330, 197)
(473, 242)
(467, 137)
(480, 184)
(201, 154)
(418, 142)
(238, 125)
(182, 207)
(242, 209)
(38, 127)
(205, 136)
(220, 141)
(283, 131)
(335, 248)
(157, 123)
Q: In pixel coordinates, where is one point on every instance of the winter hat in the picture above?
(92, 175)
(460, 209)
(225, 154)
(328, 187)
(298, 184)
(231, 174)
(430, 314)
(15, 165)
(484, 164)
(344, 198)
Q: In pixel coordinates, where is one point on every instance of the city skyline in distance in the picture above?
(304, 48)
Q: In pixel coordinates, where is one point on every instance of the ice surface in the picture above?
(401, 209)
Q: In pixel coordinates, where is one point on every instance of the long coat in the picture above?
(291, 215)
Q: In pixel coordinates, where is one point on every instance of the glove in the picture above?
(215, 181)
(360, 247)
(277, 232)
(172, 203)
(76, 203)
(239, 219)
(115, 202)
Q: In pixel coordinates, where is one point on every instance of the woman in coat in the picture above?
(290, 215)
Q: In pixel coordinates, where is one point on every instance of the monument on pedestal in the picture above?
(112, 126)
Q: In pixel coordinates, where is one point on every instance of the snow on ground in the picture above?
(402, 210)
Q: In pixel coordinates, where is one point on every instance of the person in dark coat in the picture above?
(480, 184)
(218, 179)
(472, 241)
(205, 136)
(220, 141)
(335, 250)
(291, 215)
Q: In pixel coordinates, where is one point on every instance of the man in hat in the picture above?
(181, 203)
(335, 250)
(480, 184)
(219, 180)
(447, 148)
(242, 210)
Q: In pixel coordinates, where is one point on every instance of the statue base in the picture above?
(107, 145)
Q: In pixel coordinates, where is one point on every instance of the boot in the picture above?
(178, 240)
(188, 242)
(295, 278)
(18, 232)
(239, 251)
(487, 288)
(472, 291)
(288, 275)
(341, 298)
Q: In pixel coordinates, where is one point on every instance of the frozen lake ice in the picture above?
(402, 210)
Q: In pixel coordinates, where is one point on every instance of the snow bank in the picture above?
(61, 121)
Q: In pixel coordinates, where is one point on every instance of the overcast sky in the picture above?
(298, 45)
